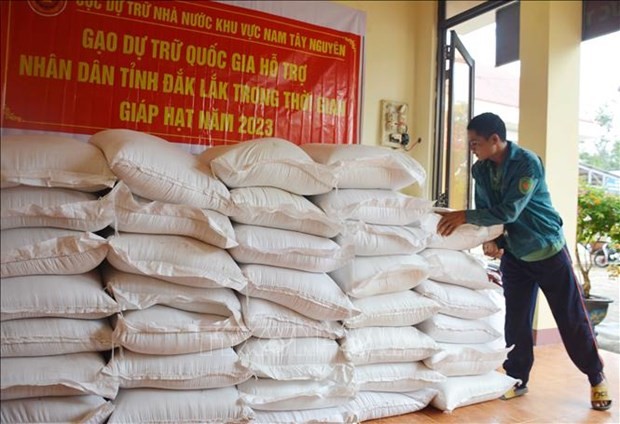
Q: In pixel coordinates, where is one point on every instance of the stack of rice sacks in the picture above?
(381, 341)
(168, 269)
(56, 337)
(178, 290)
(469, 326)
(291, 305)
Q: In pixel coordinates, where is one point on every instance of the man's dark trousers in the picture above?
(556, 278)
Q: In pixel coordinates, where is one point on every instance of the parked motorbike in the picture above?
(605, 255)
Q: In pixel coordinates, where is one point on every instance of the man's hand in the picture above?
(490, 249)
(449, 222)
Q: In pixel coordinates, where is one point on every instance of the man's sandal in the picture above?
(514, 392)
(599, 396)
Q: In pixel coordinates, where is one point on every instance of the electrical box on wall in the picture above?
(394, 129)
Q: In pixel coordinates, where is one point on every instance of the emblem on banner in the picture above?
(48, 7)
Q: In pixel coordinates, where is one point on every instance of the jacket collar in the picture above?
(513, 154)
(513, 151)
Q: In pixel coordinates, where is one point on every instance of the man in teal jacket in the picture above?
(511, 190)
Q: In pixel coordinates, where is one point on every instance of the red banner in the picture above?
(196, 72)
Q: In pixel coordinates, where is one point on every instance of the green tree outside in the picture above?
(597, 219)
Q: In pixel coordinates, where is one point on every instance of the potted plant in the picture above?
(597, 219)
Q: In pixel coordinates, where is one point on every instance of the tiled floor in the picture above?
(559, 393)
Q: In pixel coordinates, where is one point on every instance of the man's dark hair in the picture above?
(487, 124)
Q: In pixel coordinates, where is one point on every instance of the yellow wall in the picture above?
(549, 105)
(400, 49)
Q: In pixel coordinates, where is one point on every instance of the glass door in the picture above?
(458, 110)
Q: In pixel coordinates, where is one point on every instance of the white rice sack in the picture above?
(467, 359)
(458, 268)
(35, 251)
(364, 407)
(333, 415)
(308, 358)
(465, 237)
(177, 259)
(498, 319)
(158, 170)
(54, 336)
(89, 409)
(392, 310)
(59, 375)
(383, 207)
(273, 395)
(53, 161)
(374, 405)
(269, 320)
(457, 301)
(269, 162)
(382, 240)
(202, 370)
(359, 166)
(55, 207)
(139, 215)
(69, 296)
(288, 249)
(373, 345)
(275, 208)
(160, 330)
(396, 377)
(134, 291)
(314, 295)
(211, 406)
(457, 392)
(369, 276)
(447, 329)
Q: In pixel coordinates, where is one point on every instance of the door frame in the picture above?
(457, 45)
(443, 25)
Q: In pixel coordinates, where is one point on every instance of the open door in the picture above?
(455, 159)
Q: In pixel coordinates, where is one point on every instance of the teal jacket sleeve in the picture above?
(520, 184)
(481, 195)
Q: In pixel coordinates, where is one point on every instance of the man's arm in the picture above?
(451, 220)
(520, 189)
(481, 196)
